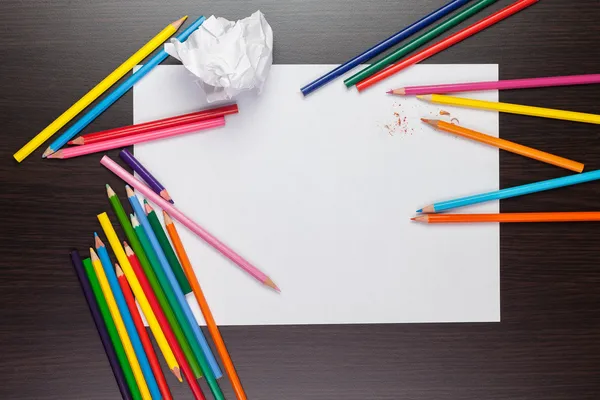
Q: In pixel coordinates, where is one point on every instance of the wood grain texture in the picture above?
(547, 346)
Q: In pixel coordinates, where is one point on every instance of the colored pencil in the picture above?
(202, 350)
(588, 216)
(137, 290)
(146, 176)
(78, 151)
(149, 262)
(191, 225)
(129, 130)
(418, 42)
(128, 321)
(109, 349)
(513, 191)
(117, 93)
(513, 108)
(506, 145)
(112, 329)
(120, 325)
(182, 321)
(527, 83)
(147, 288)
(98, 90)
(166, 247)
(141, 330)
(445, 43)
(206, 312)
(383, 46)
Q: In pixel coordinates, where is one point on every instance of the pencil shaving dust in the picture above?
(399, 123)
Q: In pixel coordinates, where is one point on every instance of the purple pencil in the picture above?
(499, 85)
(146, 176)
(100, 326)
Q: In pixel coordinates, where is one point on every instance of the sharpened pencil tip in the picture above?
(179, 22)
(420, 210)
(110, 191)
(129, 190)
(413, 219)
(390, 92)
(47, 152)
(177, 373)
(269, 282)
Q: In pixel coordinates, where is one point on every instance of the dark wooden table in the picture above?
(548, 343)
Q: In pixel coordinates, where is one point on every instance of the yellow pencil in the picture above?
(120, 325)
(97, 91)
(513, 108)
(139, 294)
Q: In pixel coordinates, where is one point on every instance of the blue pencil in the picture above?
(117, 93)
(513, 191)
(141, 216)
(111, 276)
(383, 46)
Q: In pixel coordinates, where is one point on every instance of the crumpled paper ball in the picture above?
(228, 57)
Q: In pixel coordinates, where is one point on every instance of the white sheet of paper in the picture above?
(318, 191)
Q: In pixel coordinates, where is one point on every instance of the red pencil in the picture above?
(154, 125)
(141, 330)
(445, 43)
(164, 324)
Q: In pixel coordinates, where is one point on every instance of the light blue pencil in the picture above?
(117, 93)
(513, 191)
(111, 276)
(141, 216)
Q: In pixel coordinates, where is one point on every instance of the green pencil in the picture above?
(148, 268)
(164, 282)
(112, 330)
(166, 247)
(418, 42)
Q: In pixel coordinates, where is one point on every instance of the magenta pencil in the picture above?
(135, 139)
(571, 80)
(187, 222)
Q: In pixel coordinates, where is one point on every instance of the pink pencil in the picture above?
(135, 139)
(499, 85)
(191, 225)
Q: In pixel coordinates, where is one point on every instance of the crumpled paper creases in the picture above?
(228, 57)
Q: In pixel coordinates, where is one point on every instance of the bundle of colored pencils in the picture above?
(152, 268)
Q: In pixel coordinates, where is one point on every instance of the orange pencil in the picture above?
(208, 317)
(586, 216)
(506, 145)
(141, 329)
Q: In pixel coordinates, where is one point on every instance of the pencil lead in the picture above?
(77, 141)
(167, 218)
(413, 219)
(177, 373)
(390, 92)
(47, 152)
(420, 210)
(98, 241)
(147, 207)
(179, 22)
(110, 191)
(269, 282)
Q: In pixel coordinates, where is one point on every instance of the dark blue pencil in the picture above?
(384, 45)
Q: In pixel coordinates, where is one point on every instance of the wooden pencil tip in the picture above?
(177, 373)
(129, 190)
(421, 218)
(98, 241)
(269, 282)
(57, 155)
(165, 195)
(128, 250)
(47, 152)
(428, 210)
(167, 218)
(118, 270)
(413, 219)
(78, 141)
(179, 22)
(425, 97)
(110, 191)
(93, 255)
(147, 207)
(134, 220)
